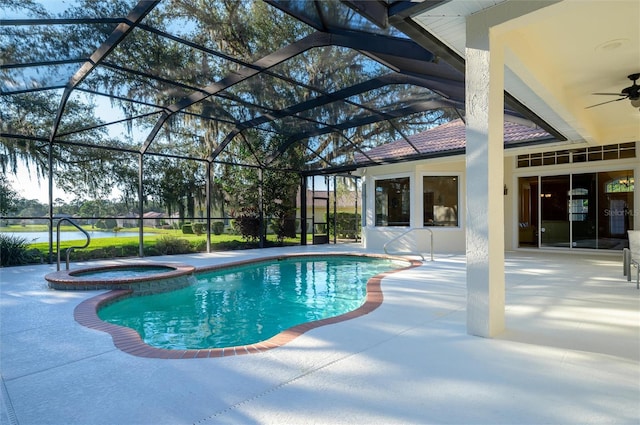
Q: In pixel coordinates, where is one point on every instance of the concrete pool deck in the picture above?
(570, 355)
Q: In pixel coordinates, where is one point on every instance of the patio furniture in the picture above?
(634, 248)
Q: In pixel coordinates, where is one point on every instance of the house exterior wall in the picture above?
(452, 239)
(510, 205)
(445, 239)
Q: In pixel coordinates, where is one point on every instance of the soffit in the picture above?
(557, 57)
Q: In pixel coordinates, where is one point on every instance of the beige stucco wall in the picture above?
(510, 205)
(452, 240)
(445, 239)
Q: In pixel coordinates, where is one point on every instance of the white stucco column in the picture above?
(484, 182)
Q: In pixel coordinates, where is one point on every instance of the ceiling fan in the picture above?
(632, 93)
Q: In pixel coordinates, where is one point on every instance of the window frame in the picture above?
(378, 179)
(460, 210)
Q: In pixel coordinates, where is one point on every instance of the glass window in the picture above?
(595, 153)
(554, 211)
(583, 205)
(528, 211)
(610, 152)
(562, 157)
(580, 155)
(579, 204)
(628, 150)
(440, 200)
(549, 158)
(615, 212)
(536, 159)
(523, 161)
(393, 202)
(622, 184)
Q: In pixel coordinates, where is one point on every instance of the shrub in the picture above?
(199, 228)
(34, 256)
(13, 250)
(283, 226)
(107, 224)
(199, 245)
(170, 245)
(247, 223)
(151, 251)
(110, 223)
(217, 227)
(348, 225)
(130, 250)
(187, 229)
(233, 245)
(95, 254)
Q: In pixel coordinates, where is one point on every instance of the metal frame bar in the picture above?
(62, 21)
(413, 61)
(380, 116)
(396, 52)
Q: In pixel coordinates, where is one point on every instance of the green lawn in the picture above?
(156, 242)
(159, 243)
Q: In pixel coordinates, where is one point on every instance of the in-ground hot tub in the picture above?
(142, 278)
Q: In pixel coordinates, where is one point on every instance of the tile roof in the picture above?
(446, 138)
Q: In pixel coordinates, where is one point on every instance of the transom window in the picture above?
(590, 154)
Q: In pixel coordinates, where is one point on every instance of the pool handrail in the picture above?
(71, 248)
(386, 245)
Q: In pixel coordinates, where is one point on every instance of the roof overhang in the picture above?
(558, 54)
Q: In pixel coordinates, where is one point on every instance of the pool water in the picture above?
(250, 303)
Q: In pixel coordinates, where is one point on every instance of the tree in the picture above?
(9, 199)
(280, 190)
(79, 169)
(147, 72)
(177, 185)
(32, 208)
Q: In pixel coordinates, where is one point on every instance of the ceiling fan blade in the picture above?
(604, 103)
(609, 94)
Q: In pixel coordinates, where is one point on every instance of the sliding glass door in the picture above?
(615, 208)
(587, 210)
(583, 207)
(554, 211)
(528, 211)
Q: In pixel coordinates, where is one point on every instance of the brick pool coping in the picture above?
(176, 276)
(129, 341)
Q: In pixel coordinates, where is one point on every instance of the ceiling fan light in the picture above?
(635, 103)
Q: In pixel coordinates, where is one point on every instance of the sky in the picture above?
(27, 186)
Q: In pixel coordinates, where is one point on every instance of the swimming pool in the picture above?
(247, 307)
